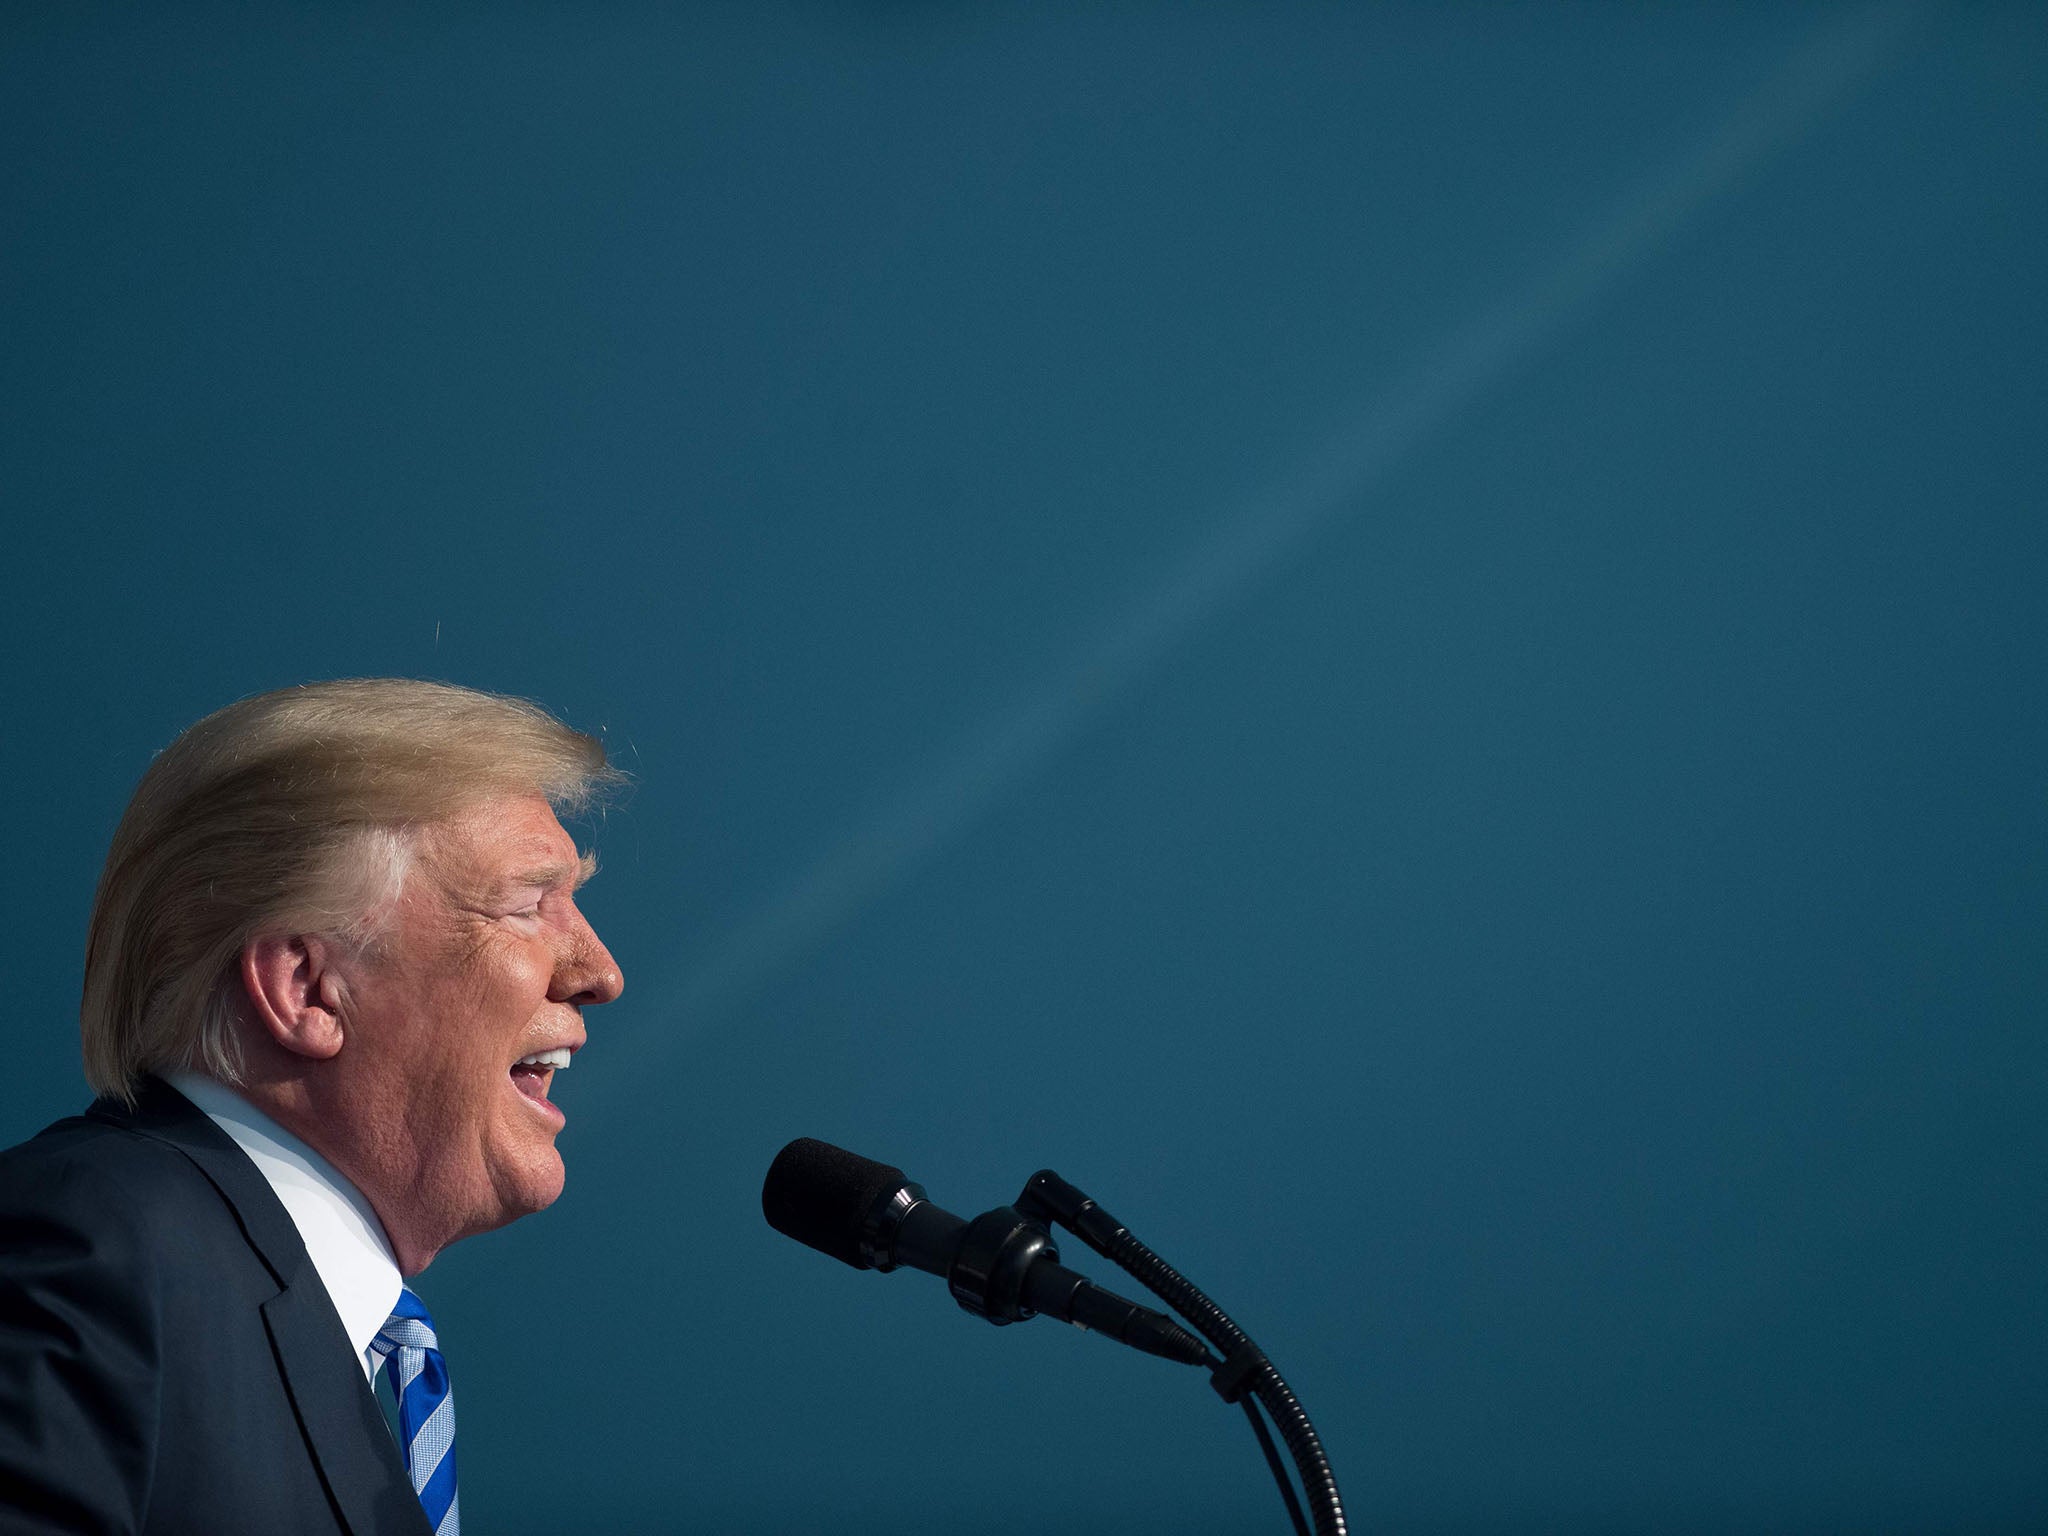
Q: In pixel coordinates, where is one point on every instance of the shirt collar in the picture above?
(342, 1235)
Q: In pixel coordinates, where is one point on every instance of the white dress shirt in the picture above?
(342, 1235)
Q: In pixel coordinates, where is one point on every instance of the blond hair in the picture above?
(290, 812)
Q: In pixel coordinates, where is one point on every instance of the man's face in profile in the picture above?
(484, 965)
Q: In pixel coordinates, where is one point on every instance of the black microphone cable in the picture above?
(1243, 1373)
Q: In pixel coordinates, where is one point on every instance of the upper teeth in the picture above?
(558, 1057)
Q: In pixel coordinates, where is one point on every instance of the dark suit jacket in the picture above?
(169, 1360)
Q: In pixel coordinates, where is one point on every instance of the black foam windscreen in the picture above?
(819, 1194)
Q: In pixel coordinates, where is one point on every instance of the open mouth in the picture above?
(533, 1075)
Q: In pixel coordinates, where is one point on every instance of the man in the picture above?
(335, 961)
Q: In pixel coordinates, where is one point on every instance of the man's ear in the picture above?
(295, 991)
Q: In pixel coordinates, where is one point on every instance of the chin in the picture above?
(532, 1187)
(543, 1187)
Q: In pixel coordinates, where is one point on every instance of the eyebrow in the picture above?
(549, 877)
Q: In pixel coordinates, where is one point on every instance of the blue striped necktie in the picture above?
(426, 1408)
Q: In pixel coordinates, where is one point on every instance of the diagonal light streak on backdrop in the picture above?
(1252, 544)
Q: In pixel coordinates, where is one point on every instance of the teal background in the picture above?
(1409, 640)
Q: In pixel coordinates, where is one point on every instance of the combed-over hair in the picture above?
(290, 812)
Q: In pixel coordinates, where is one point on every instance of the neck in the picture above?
(300, 1098)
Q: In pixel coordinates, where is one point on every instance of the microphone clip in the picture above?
(996, 1254)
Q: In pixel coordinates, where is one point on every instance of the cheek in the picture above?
(519, 979)
(500, 989)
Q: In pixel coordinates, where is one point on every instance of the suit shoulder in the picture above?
(106, 1172)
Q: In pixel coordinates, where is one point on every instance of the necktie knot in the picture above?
(426, 1408)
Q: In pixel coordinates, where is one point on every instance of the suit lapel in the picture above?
(358, 1459)
(338, 1413)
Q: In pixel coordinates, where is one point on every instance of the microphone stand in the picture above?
(1242, 1374)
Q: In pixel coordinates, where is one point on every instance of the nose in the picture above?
(585, 972)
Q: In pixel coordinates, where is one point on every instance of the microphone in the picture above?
(1000, 1266)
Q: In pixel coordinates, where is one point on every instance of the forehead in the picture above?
(501, 839)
